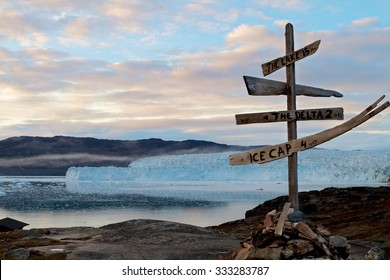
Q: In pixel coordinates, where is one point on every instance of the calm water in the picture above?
(45, 202)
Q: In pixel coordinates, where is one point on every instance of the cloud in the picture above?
(281, 23)
(207, 16)
(60, 160)
(283, 4)
(350, 64)
(365, 22)
(178, 89)
(26, 31)
(77, 32)
(42, 23)
(244, 35)
(129, 16)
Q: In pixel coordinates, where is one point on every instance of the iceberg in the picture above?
(207, 175)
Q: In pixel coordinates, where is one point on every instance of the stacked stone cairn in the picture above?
(291, 235)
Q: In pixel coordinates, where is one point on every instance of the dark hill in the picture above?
(26, 155)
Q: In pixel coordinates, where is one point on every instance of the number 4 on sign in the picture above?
(305, 146)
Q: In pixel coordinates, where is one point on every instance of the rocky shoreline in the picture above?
(360, 215)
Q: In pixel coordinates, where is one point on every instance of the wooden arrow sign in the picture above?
(280, 62)
(259, 86)
(298, 115)
(279, 151)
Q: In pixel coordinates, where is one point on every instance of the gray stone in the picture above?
(153, 239)
(338, 241)
(340, 246)
(18, 254)
(300, 246)
(375, 253)
(287, 254)
(130, 240)
(297, 216)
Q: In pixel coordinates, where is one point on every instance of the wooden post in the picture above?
(292, 125)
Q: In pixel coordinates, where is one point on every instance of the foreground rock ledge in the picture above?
(130, 240)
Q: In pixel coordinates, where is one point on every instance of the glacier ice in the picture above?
(199, 174)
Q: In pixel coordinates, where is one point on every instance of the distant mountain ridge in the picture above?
(30, 155)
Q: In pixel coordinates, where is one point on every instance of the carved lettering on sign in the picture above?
(298, 115)
(280, 62)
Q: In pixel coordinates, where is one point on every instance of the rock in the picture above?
(297, 216)
(244, 252)
(375, 253)
(263, 240)
(287, 254)
(299, 240)
(265, 253)
(304, 229)
(340, 246)
(131, 240)
(18, 254)
(338, 241)
(337, 209)
(300, 247)
(333, 210)
(259, 229)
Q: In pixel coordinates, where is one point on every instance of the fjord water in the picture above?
(45, 202)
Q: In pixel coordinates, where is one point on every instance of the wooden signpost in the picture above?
(290, 149)
(297, 115)
(291, 55)
(259, 86)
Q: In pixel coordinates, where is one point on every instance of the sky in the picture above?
(173, 70)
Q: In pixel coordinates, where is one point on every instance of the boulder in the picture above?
(375, 253)
(18, 254)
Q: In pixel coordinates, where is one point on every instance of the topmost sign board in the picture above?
(280, 62)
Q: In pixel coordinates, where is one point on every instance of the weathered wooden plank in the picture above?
(336, 113)
(280, 62)
(270, 153)
(260, 86)
(282, 219)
